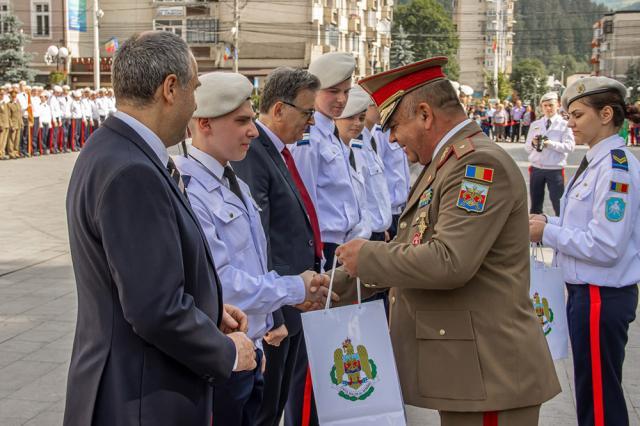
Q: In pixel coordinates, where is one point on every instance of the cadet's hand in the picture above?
(538, 217)
(536, 230)
(348, 255)
(276, 336)
(233, 319)
(245, 351)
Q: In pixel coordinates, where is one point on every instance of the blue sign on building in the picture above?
(78, 15)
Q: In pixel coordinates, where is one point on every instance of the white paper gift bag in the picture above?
(355, 380)
(548, 297)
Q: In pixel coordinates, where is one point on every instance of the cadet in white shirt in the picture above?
(222, 128)
(56, 119)
(548, 144)
(87, 120)
(323, 161)
(45, 140)
(597, 244)
(77, 119)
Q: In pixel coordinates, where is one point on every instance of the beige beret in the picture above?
(591, 86)
(333, 68)
(221, 93)
(466, 90)
(358, 102)
(549, 96)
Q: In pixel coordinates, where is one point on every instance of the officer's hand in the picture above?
(276, 336)
(233, 319)
(245, 351)
(316, 291)
(348, 255)
(536, 230)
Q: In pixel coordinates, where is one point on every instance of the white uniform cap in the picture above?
(77, 93)
(221, 93)
(57, 89)
(591, 86)
(27, 87)
(45, 93)
(549, 96)
(456, 86)
(333, 68)
(358, 102)
(65, 87)
(466, 90)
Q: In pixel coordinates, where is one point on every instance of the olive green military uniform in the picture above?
(15, 128)
(4, 129)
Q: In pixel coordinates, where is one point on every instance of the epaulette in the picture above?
(619, 160)
(463, 148)
(356, 145)
(302, 142)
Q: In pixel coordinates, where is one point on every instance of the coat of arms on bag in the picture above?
(543, 311)
(353, 372)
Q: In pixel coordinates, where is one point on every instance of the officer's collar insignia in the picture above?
(614, 209)
(622, 188)
(356, 145)
(619, 160)
(425, 198)
(303, 141)
(479, 173)
(353, 373)
(472, 196)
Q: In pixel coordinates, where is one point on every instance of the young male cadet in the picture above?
(323, 161)
(222, 128)
(288, 216)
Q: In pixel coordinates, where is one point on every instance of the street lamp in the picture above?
(56, 54)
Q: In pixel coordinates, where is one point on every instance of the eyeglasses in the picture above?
(308, 112)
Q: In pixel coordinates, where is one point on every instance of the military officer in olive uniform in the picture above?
(15, 125)
(465, 336)
(4, 126)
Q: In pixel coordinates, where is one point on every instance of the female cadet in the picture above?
(597, 241)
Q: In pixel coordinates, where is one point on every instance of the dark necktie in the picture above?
(176, 176)
(581, 168)
(233, 182)
(306, 200)
(374, 145)
(546, 126)
(352, 160)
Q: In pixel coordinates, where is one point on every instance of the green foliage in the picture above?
(430, 28)
(571, 66)
(13, 61)
(505, 89)
(57, 77)
(633, 80)
(528, 79)
(401, 49)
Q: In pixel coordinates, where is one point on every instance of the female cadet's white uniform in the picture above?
(597, 243)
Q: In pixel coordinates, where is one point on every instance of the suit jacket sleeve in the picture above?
(137, 223)
(459, 244)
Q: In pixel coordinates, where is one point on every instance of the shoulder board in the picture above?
(356, 145)
(619, 160)
(463, 148)
(302, 142)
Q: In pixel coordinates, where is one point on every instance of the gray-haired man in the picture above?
(148, 344)
(288, 217)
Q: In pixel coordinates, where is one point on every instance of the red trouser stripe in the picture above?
(490, 418)
(306, 400)
(596, 368)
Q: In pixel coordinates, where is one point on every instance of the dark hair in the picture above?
(614, 100)
(284, 84)
(143, 63)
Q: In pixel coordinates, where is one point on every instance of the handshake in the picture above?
(316, 291)
(538, 142)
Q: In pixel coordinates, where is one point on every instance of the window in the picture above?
(41, 17)
(332, 35)
(202, 30)
(4, 10)
(174, 26)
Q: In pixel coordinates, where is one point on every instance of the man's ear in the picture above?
(277, 111)
(170, 89)
(425, 114)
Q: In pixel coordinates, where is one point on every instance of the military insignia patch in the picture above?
(581, 88)
(543, 312)
(356, 145)
(623, 188)
(614, 209)
(479, 173)
(425, 198)
(619, 160)
(305, 139)
(472, 197)
(353, 373)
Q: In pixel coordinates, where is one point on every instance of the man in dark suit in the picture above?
(148, 341)
(290, 223)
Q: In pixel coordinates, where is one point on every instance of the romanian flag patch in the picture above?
(479, 173)
(622, 188)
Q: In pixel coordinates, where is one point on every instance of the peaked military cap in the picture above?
(333, 68)
(591, 86)
(358, 102)
(387, 88)
(221, 93)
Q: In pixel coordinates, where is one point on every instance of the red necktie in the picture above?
(306, 199)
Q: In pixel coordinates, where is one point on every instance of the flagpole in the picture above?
(97, 14)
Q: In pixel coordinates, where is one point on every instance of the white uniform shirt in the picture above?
(65, 106)
(323, 163)
(554, 155)
(396, 169)
(359, 185)
(86, 108)
(35, 106)
(45, 113)
(54, 104)
(238, 244)
(76, 110)
(597, 236)
(103, 106)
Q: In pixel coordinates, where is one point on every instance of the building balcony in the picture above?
(387, 13)
(354, 24)
(330, 16)
(372, 4)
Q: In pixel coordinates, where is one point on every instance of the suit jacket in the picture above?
(290, 245)
(463, 328)
(147, 346)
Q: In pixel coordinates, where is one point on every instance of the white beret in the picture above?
(65, 87)
(466, 90)
(358, 102)
(591, 86)
(221, 93)
(333, 68)
(77, 93)
(549, 96)
(57, 89)
(45, 93)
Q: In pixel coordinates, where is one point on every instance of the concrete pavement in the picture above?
(38, 300)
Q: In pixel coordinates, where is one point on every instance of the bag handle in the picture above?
(333, 273)
(537, 251)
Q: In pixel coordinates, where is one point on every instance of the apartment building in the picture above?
(615, 44)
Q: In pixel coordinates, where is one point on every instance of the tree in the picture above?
(13, 60)
(431, 30)
(529, 79)
(401, 49)
(632, 81)
(566, 65)
(504, 86)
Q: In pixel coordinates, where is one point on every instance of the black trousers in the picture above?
(393, 229)
(34, 135)
(329, 251)
(554, 181)
(236, 402)
(599, 319)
